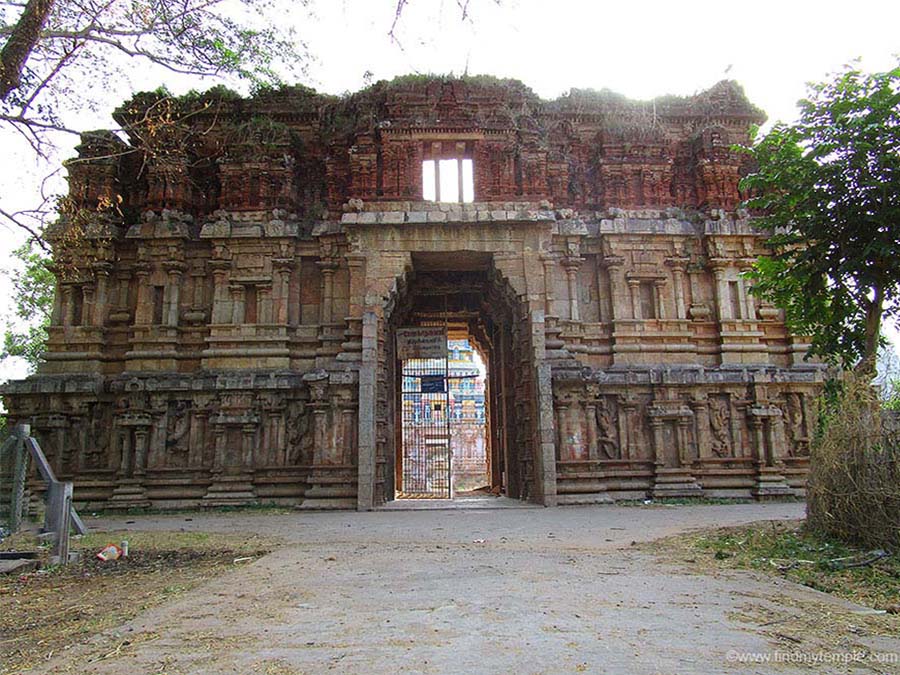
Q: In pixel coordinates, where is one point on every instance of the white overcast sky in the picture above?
(641, 49)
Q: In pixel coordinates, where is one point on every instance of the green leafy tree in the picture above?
(33, 285)
(827, 188)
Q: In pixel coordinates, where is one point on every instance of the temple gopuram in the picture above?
(233, 273)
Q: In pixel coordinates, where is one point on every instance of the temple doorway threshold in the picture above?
(480, 502)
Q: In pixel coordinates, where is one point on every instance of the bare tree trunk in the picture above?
(21, 42)
(873, 334)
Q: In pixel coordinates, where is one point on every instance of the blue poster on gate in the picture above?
(433, 384)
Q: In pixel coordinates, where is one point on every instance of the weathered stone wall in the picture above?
(223, 325)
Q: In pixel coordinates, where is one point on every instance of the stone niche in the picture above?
(222, 329)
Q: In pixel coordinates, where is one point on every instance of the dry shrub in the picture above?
(853, 491)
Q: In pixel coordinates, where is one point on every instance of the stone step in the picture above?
(586, 498)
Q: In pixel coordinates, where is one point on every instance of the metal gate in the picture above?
(425, 400)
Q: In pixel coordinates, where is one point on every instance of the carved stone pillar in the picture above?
(294, 310)
(221, 439)
(678, 265)
(348, 425)
(174, 270)
(126, 467)
(248, 434)
(662, 311)
(357, 268)
(774, 436)
(197, 438)
(56, 314)
(770, 482)
(69, 305)
(143, 315)
(328, 267)
(264, 303)
(590, 409)
(549, 297)
(221, 312)
(700, 406)
(616, 275)
(626, 410)
(320, 434)
(656, 428)
(634, 287)
(747, 299)
(237, 303)
(736, 436)
(87, 309)
(283, 268)
(571, 266)
(198, 277)
(101, 301)
(760, 455)
(722, 299)
(141, 436)
(576, 424)
(562, 421)
(683, 424)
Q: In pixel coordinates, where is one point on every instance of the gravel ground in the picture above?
(512, 590)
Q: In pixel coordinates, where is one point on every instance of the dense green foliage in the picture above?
(828, 189)
(33, 285)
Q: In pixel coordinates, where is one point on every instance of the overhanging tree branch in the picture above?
(21, 42)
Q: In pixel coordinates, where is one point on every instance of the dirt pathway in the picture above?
(523, 591)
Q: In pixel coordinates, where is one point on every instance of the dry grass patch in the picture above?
(45, 612)
(793, 623)
(788, 550)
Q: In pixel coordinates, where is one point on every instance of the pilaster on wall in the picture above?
(521, 277)
(367, 412)
(545, 433)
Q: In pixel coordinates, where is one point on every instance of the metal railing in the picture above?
(59, 514)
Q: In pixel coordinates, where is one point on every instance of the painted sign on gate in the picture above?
(422, 343)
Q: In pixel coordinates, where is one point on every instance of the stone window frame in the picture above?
(450, 150)
(158, 304)
(74, 304)
(727, 279)
(637, 281)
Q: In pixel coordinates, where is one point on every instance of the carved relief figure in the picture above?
(179, 424)
(720, 422)
(792, 408)
(299, 438)
(96, 453)
(607, 442)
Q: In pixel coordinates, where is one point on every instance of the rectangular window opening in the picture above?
(448, 180)
(429, 193)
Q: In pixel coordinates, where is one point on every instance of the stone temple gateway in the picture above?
(223, 329)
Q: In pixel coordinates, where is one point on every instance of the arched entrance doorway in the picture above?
(458, 428)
